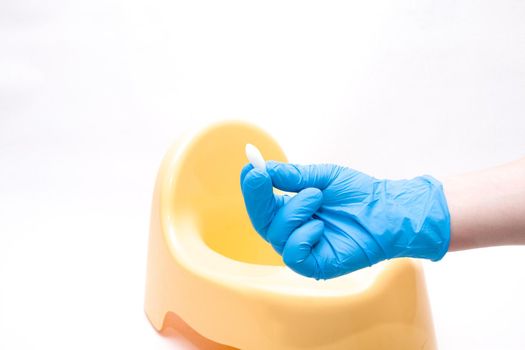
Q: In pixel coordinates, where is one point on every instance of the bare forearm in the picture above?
(487, 207)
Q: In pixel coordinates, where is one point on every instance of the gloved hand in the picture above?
(342, 220)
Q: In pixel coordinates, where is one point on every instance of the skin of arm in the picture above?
(487, 207)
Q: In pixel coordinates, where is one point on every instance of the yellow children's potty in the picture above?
(210, 270)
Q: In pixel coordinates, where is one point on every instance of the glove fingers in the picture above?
(260, 201)
(340, 253)
(297, 253)
(295, 177)
(293, 214)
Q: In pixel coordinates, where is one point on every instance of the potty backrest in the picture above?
(206, 186)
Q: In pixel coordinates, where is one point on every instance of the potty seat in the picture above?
(210, 270)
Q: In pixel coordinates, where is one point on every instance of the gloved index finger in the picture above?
(245, 171)
(260, 201)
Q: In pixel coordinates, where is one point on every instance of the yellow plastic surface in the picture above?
(211, 276)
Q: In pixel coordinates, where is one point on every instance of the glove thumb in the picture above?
(295, 177)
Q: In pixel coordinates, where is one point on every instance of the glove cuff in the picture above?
(439, 220)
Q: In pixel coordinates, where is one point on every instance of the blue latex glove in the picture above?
(342, 220)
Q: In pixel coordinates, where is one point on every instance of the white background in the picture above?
(93, 92)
